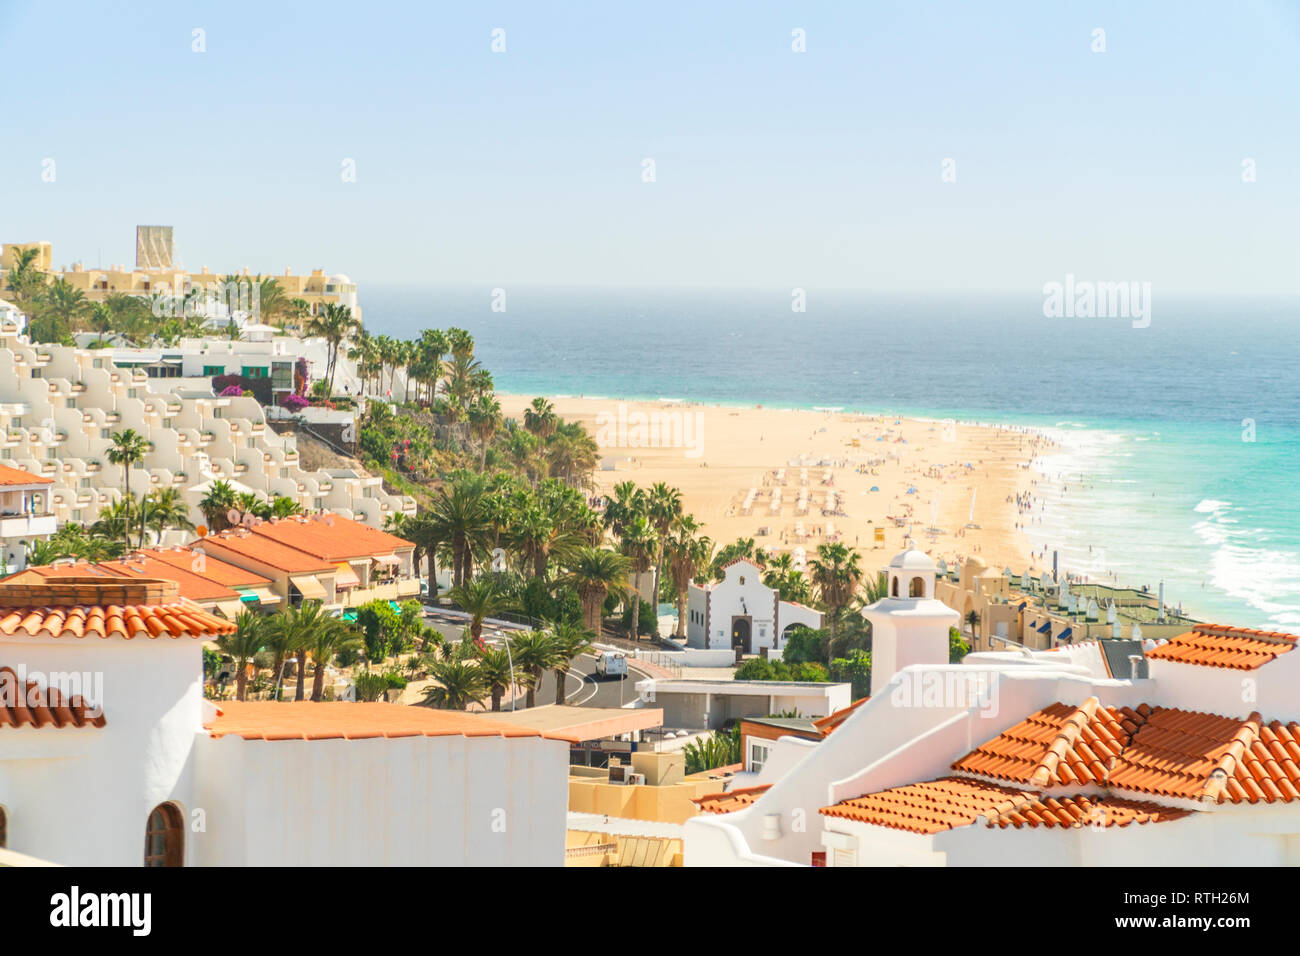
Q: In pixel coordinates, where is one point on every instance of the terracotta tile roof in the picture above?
(1184, 754)
(103, 607)
(263, 550)
(831, 721)
(31, 706)
(931, 807)
(1215, 645)
(330, 537)
(1060, 745)
(729, 801)
(308, 720)
(222, 572)
(1161, 751)
(1269, 770)
(1086, 811)
(143, 564)
(16, 476)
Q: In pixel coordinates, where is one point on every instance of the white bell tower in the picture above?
(909, 625)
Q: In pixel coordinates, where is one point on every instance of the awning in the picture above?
(309, 587)
(346, 578)
(1047, 626)
(391, 559)
(1023, 605)
(262, 595)
(1065, 634)
(229, 609)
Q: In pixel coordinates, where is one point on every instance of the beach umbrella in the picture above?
(875, 488)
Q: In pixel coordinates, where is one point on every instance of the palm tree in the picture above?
(335, 325)
(484, 420)
(569, 640)
(663, 507)
(540, 418)
(497, 667)
(836, 573)
(279, 638)
(302, 625)
(167, 508)
(25, 280)
(329, 639)
(595, 573)
(459, 683)
(534, 652)
(688, 556)
(220, 499)
(480, 599)
(639, 544)
(972, 620)
(457, 519)
(129, 447)
(242, 646)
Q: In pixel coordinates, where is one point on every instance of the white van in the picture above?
(611, 664)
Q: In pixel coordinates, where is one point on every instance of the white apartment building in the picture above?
(60, 407)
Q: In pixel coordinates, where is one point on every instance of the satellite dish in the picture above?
(233, 516)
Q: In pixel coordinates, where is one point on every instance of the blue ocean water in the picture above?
(1181, 440)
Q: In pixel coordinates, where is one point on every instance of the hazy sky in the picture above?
(773, 168)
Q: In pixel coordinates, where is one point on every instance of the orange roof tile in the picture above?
(16, 476)
(931, 807)
(308, 720)
(729, 800)
(330, 537)
(831, 721)
(1086, 811)
(1059, 745)
(222, 572)
(144, 564)
(103, 607)
(262, 550)
(33, 707)
(1176, 753)
(1268, 770)
(1216, 645)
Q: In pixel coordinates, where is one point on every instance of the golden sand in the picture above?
(716, 454)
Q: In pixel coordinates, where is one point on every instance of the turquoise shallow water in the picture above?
(1161, 483)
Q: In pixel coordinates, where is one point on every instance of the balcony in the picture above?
(16, 526)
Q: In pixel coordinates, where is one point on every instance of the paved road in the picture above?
(582, 688)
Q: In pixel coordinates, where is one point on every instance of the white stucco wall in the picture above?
(411, 801)
(82, 796)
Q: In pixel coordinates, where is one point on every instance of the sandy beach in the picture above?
(800, 478)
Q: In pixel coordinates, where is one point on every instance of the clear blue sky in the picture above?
(774, 169)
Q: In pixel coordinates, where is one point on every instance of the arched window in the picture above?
(164, 840)
(917, 587)
(894, 592)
